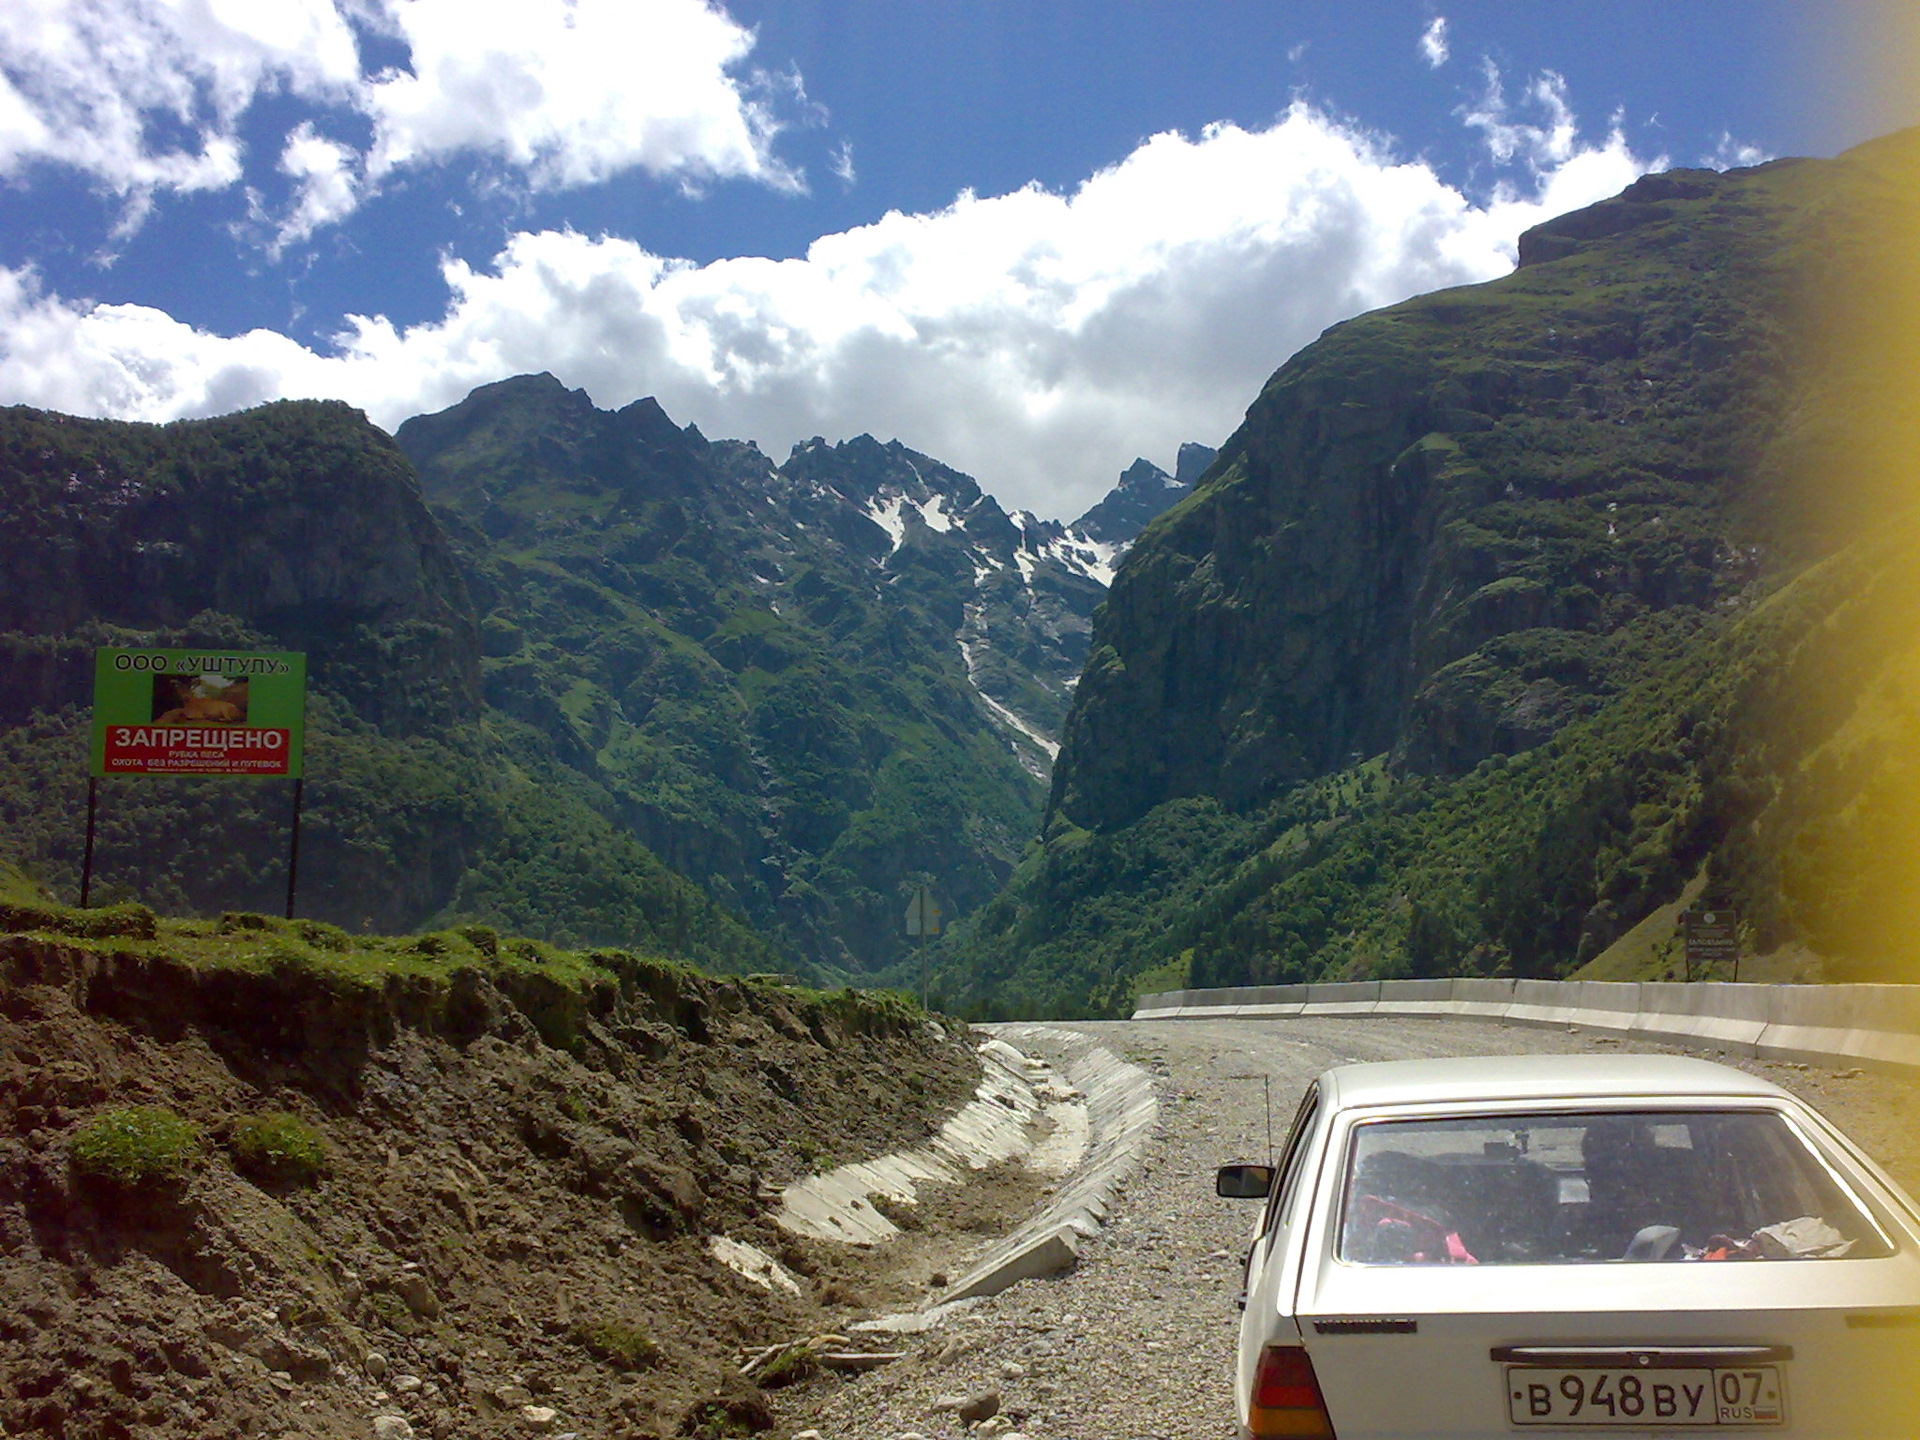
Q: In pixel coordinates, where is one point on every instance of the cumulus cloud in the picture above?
(1732, 154)
(1433, 43)
(1540, 136)
(572, 92)
(1038, 340)
(1541, 144)
(146, 97)
(327, 185)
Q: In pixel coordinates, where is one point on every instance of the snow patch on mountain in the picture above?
(970, 638)
(885, 512)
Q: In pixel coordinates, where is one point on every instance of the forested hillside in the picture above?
(1494, 626)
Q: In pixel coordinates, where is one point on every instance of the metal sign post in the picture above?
(198, 712)
(923, 919)
(86, 865)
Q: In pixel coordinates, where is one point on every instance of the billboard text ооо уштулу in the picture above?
(199, 712)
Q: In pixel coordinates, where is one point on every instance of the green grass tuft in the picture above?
(626, 1347)
(143, 1148)
(279, 1149)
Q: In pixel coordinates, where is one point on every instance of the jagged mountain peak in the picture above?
(747, 660)
(1192, 463)
(1143, 474)
(1144, 492)
(863, 469)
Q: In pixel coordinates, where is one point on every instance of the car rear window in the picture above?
(1596, 1187)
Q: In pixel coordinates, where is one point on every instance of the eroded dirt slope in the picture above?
(512, 1233)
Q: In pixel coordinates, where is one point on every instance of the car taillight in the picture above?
(1286, 1398)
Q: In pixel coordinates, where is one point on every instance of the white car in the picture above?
(1545, 1245)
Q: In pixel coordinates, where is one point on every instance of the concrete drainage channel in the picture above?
(1084, 1117)
(1120, 1115)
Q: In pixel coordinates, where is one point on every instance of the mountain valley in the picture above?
(1474, 647)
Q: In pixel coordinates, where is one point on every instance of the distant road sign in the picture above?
(923, 914)
(1713, 937)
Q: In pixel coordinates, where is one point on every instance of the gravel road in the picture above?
(1137, 1342)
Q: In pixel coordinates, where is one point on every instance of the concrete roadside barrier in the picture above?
(1342, 997)
(1874, 1026)
(1424, 997)
(1616, 998)
(1877, 1025)
(1544, 1002)
(1730, 1016)
(1482, 999)
(1274, 999)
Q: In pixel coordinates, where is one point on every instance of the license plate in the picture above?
(1663, 1399)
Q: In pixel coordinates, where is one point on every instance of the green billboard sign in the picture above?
(199, 712)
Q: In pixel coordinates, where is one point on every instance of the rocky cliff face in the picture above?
(1450, 527)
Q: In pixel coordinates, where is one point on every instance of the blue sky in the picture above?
(1033, 240)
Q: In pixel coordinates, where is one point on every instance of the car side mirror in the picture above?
(1243, 1182)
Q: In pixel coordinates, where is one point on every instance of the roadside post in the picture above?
(198, 712)
(1712, 935)
(923, 919)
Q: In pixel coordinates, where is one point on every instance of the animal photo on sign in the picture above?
(199, 700)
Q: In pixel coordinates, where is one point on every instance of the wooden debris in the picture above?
(858, 1360)
(816, 1350)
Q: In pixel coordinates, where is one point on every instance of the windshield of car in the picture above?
(1643, 1186)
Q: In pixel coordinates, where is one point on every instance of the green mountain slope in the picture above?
(1464, 660)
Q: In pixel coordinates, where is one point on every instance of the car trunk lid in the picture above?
(1793, 1350)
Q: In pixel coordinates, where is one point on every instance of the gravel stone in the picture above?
(981, 1405)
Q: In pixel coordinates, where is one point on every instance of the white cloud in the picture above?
(1562, 170)
(1508, 138)
(1038, 340)
(841, 162)
(95, 84)
(148, 96)
(327, 184)
(573, 92)
(1433, 42)
(1732, 154)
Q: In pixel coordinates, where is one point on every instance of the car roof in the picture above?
(1478, 1079)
